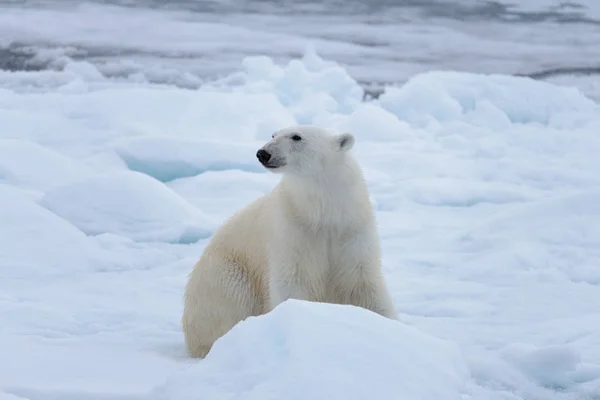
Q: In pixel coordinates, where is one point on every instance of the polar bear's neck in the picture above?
(335, 199)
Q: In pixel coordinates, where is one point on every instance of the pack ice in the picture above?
(487, 193)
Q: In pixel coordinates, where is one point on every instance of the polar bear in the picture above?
(313, 237)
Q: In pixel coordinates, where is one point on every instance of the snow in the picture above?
(487, 197)
(449, 96)
(34, 240)
(129, 204)
(50, 169)
(274, 352)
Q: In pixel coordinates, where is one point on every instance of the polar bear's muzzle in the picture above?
(267, 159)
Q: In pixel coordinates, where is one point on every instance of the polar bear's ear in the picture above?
(345, 141)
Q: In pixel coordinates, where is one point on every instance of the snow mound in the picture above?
(29, 165)
(450, 96)
(129, 204)
(36, 241)
(167, 159)
(304, 350)
(307, 87)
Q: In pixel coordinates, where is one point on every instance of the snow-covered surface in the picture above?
(487, 194)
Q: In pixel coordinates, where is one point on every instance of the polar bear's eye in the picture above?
(296, 138)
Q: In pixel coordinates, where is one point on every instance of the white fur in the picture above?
(313, 238)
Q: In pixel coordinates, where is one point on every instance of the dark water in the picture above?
(571, 12)
(382, 41)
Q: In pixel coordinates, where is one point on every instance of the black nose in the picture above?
(263, 156)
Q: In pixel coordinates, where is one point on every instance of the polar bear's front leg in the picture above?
(296, 271)
(357, 278)
(370, 292)
(282, 288)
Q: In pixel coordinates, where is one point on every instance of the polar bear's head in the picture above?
(304, 149)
